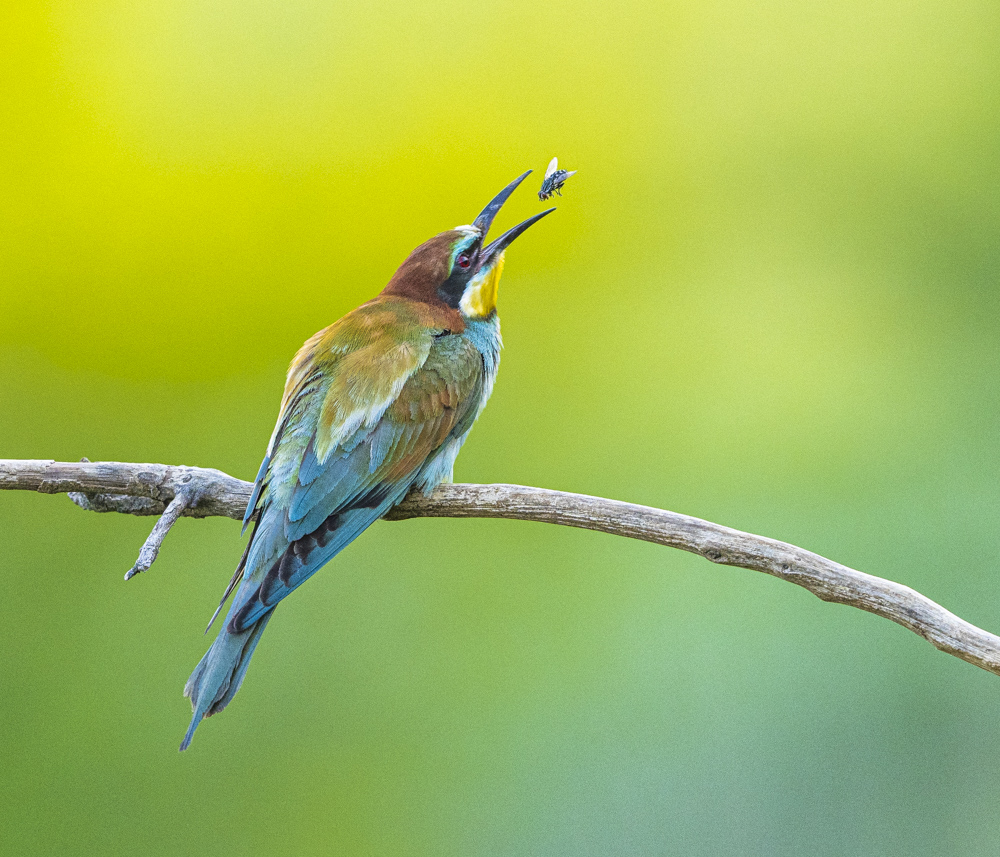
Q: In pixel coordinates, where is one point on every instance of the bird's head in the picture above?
(458, 268)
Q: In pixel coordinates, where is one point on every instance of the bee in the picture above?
(555, 178)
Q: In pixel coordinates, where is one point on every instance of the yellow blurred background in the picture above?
(769, 299)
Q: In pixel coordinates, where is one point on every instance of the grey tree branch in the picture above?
(154, 489)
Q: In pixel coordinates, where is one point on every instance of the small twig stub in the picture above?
(151, 547)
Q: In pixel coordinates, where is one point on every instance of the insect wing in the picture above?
(552, 167)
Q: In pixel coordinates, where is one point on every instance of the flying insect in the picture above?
(555, 178)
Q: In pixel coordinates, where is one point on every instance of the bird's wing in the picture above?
(303, 385)
(305, 378)
(552, 167)
(350, 448)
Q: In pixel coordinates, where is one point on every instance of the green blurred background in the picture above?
(769, 299)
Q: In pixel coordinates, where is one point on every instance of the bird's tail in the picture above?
(220, 673)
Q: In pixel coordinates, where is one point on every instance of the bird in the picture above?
(375, 405)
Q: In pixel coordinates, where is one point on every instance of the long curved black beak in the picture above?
(482, 223)
(495, 248)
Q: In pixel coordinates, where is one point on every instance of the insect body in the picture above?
(555, 178)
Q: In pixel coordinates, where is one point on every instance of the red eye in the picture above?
(463, 260)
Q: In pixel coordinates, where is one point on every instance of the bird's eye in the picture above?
(464, 260)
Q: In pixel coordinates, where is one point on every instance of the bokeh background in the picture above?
(769, 299)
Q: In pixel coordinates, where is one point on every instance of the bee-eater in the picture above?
(375, 405)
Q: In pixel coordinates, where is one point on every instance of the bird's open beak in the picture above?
(485, 219)
(495, 248)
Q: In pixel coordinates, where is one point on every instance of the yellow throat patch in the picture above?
(480, 297)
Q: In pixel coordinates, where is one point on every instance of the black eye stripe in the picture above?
(450, 291)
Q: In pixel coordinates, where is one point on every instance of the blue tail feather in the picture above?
(220, 672)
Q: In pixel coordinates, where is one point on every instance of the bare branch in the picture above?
(220, 494)
(134, 489)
